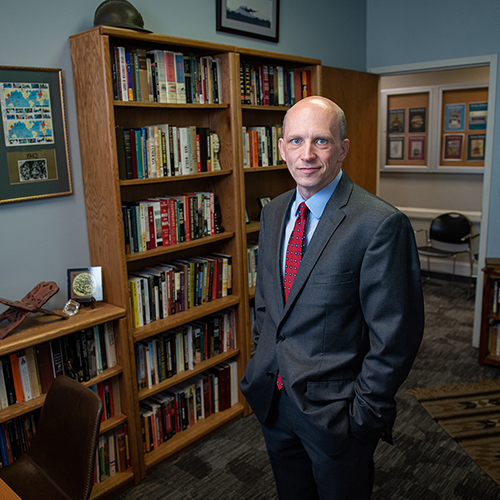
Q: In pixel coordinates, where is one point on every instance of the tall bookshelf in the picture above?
(98, 115)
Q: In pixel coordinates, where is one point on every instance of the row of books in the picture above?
(169, 288)
(180, 349)
(109, 392)
(181, 406)
(162, 222)
(16, 435)
(252, 258)
(260, 146)
(265, 85)
(112, 454)
(28, 373)
(165, 150)
(165, 76)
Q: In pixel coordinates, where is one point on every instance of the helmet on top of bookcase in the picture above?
(119, 13)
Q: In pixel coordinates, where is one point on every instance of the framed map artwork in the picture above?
(34, 160)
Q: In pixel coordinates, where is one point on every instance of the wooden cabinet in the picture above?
(489, 340)
(40, 329)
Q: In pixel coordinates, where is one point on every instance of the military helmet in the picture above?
(119, 13)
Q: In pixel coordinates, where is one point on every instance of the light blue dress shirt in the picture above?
(316, 205)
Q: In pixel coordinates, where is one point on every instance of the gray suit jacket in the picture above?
(347, 336)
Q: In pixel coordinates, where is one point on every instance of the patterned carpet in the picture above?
(470, 414)
(425, 463)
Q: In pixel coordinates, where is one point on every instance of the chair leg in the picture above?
(453, 276)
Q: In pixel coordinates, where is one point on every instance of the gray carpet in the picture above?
(424, 464)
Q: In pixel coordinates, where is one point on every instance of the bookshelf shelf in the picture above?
(175, 178)
(179, 247)
(186, 375)
(181, 318)
(256, 107)
(112, 422)
(112, 485)
(40, 328)
(200, 430)
(260, 170)
(160, 105)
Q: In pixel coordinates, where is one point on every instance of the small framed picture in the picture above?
(254, 18)
(85, 284)
(416, 147)
(452, 146)
(475, 147)
(478, 113)
(247, 219)
(396, 148)
(417, 120)
(263, 201)
(454, 117)
(396, 121)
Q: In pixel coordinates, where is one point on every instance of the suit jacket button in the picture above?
(270, 374)
(281, 337)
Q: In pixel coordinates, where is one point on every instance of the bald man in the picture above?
(339, 316)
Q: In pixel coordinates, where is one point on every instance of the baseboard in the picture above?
(447, 277)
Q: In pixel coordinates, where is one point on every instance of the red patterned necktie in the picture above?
(294, 252)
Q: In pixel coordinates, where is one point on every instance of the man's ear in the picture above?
(344, 150)
(282, 149)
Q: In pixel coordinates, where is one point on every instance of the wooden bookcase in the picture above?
(236, 188)
(38, 329)
(98, 115)
(490, 315)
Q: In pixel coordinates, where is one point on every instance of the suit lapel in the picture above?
(332, 217)
(276, 236)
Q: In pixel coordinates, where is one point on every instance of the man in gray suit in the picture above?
(335, 333)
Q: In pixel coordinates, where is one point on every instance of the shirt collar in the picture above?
(317, 202)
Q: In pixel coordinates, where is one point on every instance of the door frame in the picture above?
(492, 62)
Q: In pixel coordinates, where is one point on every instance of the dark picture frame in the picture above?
(34, 158)
(233, 16)
(85, 284)
(452, 146)
(417, 120)
(263, 201)
(396, 121)
(395, 148)
(416, 147)
(475, 147)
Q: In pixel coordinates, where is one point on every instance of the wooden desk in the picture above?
(6, 493)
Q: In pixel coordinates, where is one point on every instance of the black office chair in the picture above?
(59, 465)
(449, 235)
